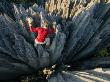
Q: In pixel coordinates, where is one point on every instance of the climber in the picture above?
(42, 31)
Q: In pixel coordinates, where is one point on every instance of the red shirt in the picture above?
(42, 33)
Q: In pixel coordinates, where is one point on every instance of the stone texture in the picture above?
(84, 34)
(96, 75)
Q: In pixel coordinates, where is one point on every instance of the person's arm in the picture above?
(31, 29)
(53, 30)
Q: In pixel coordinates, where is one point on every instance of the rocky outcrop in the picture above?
(6, 8)
(86, 32)
(79, 37)
(99, 74)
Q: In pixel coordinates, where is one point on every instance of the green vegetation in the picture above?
(103, 53)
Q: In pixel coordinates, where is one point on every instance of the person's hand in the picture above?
(56, 30)
(30, 20)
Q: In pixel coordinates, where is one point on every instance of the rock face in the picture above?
(96, 75)
(5, 7)
(86, 32)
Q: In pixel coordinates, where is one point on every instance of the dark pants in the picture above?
(40, 48)
(37, 45)
(33, 35)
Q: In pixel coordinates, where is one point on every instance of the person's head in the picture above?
(45, 24)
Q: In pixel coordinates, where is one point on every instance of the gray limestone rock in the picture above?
(95, 75)
(80, 38)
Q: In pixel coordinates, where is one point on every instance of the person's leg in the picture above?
(39, 49)
(33, 35)
(42, 44)
(35, 44)
(47, 42)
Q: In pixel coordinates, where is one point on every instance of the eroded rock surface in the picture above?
(86, 32)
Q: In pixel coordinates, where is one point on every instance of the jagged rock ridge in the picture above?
(87, 32)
